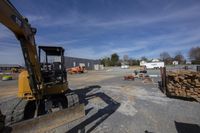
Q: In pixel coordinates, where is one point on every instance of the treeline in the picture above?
(194, 57)
(114, 60)
(168, 59)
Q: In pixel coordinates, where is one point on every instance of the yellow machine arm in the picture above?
(23, 31)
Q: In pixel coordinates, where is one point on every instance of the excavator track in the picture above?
(13, 110)
(16, 123)
(17, 113)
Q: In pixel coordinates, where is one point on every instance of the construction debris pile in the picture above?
(184, 84)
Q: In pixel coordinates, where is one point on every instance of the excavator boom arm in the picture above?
(12, 19)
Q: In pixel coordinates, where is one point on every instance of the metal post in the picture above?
(163, 78)
(198, 68)
(47, 66)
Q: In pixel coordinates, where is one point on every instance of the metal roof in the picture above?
(9, 65)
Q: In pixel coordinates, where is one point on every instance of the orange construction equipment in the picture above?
(78, 69)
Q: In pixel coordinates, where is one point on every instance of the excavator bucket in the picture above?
(48, 122)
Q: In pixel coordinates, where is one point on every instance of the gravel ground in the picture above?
(118, 106)
(8, 90)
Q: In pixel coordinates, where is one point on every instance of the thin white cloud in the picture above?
(5, 32)
(93, 53)
(11, 55)
(35, 18)
(75, 18)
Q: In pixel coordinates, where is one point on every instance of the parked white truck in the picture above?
(152, 65)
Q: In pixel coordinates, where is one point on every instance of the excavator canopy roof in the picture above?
(51, 50)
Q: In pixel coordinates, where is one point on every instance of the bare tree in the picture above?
(144, 58)
(164, 56)
(133, 62)
(125, 57)
(179, 57)
(194, 53)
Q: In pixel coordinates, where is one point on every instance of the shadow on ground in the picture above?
(187, 127)
(101, 115)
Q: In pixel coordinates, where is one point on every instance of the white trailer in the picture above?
(124, 66)
(152, 65)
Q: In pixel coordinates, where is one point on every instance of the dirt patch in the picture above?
(127, 108)
(84, 79)
(97, 102)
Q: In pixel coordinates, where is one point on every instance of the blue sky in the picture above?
(97, 28)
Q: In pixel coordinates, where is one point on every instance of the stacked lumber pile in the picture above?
(184, 84)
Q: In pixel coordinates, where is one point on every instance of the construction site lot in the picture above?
(115, 105)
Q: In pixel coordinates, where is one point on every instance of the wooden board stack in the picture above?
(184, 84)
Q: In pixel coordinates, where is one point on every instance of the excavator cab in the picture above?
(52, 64)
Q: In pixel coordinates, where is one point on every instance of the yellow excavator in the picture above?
(45, 98)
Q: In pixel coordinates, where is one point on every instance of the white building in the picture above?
(155, 60)
(188, 62)
(142, 63)
(175, 62)
(124, 65)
